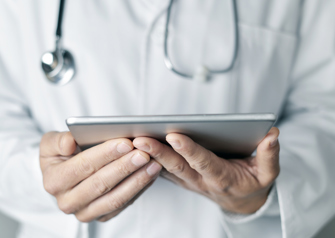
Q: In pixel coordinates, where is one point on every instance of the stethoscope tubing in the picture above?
(59, 75)
(168, 61)
(60, 19)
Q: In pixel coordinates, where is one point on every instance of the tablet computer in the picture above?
(229, 135)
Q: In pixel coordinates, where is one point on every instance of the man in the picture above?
(285, 65)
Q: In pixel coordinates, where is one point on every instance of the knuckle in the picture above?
(156, 150)
(142, 181)
(226, 181)
(85, 165)
(50, 186)
(189, 150)
(203, 165)
(224, 187)
(177, 169)
(65, 207)
(123, 169)
(116, 203)
(217, 185)
(157, 153)
(100, 185)
(108, 156)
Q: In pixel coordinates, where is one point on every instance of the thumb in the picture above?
(267, 158)
(57, 144)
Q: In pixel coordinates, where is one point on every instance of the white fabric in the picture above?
(285, 65)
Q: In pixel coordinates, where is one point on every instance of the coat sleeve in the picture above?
(305, 187)
(22, 195)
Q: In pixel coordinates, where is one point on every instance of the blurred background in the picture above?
(8, 228)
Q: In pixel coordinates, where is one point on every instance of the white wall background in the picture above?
(8, 228)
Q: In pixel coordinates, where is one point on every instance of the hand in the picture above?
(237, 185)
(97, 183)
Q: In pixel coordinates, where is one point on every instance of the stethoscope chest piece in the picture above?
(58, 66)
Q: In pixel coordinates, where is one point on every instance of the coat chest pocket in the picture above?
(261, 75)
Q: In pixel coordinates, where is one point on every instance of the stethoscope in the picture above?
(59, 67)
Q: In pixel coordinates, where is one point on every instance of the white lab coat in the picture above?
(285, 65)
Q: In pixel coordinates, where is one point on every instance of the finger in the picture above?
(173, 162)
(57, 143)
(200, 159)
(267, 157)
(107, 217)
(66, 175)
(121, 194)
(102, 181)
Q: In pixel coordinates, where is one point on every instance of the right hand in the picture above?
(97, 183)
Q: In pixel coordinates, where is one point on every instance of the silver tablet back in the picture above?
(229, 135)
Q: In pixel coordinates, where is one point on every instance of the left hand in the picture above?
(237, 185)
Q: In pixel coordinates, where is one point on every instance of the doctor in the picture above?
(285, 64)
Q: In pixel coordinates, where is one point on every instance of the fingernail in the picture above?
(123, 148)
(144, 147)
(273, 142)
(138, 159)
(174, 143)
(154, 168)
